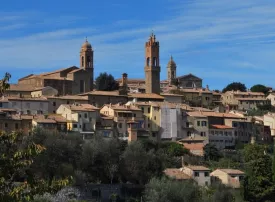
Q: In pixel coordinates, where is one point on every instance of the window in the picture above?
(142, 109)
(149, 110)
(134, 115)
(1, 104)
(155, 118)
(54, 112)
(79, 115)
(197, 174)
(148, 125)
(74, 125)
(82, 61)
(203, 123)
(54, 104)
(85, 115)
(68, 102)
(16, 126)
(206, 174)
(198, 123)
(206, 183)
(6, 125)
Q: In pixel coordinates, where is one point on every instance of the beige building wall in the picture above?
(271, 97)
(201, 179)
(29, 106)
(55, 102)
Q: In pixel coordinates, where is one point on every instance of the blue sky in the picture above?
(220, 41)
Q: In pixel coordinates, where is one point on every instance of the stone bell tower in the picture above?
(152, 68)
(171, 71)
(87, 63)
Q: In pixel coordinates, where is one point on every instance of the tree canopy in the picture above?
(259, 88)
(4, 83)
(258, 183)
(235, 86)
(17, 182)
(106, 82)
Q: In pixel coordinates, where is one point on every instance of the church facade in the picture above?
(68, 81)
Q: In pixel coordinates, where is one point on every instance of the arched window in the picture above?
(154, 61)
(82, 61)
(89, 61)
(148, 61)
(173, 75)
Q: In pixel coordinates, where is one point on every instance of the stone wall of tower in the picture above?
(152, 68)
(87, 63)
(171, 71)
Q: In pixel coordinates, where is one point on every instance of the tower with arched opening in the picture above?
(87, 64)
(152, 67)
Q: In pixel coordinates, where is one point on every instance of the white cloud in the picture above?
(214, 35)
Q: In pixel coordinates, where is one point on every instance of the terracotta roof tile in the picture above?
(81, 107)
(146, 95)
(176, 174)
(123, 107)
(44, 120)
(232, 171)
(197, 168)
(21, 87)
(57, 117)
(104, 93)
(245, 93)
(33, 99)
(221, 127)
(69, 97)
(251, 99)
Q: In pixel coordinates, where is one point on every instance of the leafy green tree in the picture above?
(175, 149)
(235, 86)
(101, 159)
(259, 88)
(4, 84)
(17, 183)
(106, 82)
(211, 152)
(61, 157)
(138, 165)
(166, 190)
(258, 183)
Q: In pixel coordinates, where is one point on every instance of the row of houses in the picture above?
(155, 119)
(204, 177)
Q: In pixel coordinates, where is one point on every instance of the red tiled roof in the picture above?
(176, 173)
(221, 127)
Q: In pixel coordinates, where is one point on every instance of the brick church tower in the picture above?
(152, 68)
(87, 62)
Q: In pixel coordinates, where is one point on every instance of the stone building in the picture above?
(152, 68)
(189, 81)
(71, 80)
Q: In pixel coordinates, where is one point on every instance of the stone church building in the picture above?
(68, 81)
(185, 81)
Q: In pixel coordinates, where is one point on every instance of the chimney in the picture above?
(124, 79)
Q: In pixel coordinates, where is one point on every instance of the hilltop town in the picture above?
(181, 109)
